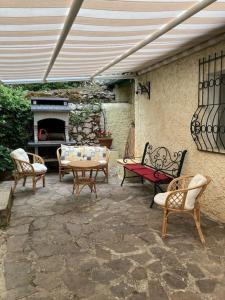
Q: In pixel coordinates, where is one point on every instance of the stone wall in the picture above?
(83, 94)
(85, 122)
(165, 120)
(117, 118)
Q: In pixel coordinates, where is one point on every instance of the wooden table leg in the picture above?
(80, 182)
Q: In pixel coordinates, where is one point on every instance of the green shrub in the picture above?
(15, 118)
(5, 160)
(48, 86)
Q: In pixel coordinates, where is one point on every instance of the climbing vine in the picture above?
(80, 115)
(85, 122)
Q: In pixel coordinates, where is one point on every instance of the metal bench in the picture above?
(158, 166)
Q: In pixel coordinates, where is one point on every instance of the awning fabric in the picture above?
(102, 30)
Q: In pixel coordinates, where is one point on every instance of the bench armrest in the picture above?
(132, 159)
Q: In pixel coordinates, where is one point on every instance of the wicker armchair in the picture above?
(182, 196)
(24, 167)
(63, 166)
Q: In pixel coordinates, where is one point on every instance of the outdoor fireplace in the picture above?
(51, 121)
(51, 129)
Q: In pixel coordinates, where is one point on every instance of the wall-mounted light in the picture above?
(144, 88)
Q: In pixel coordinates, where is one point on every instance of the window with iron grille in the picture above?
(208, 121)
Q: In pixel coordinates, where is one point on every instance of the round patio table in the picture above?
(82, 180)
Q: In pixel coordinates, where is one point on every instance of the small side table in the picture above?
(80, 181)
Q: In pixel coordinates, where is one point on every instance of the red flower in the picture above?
(103, 134)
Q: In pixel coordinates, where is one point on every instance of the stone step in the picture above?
(6, 201)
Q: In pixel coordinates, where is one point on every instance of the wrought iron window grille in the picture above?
(208, 122)
(144, 89)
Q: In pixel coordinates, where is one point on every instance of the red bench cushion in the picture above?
(153, 176)
(147, 173)
(132, 167)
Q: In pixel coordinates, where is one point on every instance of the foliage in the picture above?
(104, 134)
(5, 160)
(48, 86)
(78, 117)
(15, 122)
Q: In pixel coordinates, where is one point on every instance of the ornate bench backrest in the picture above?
(160, 159)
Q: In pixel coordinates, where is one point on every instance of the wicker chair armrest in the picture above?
(36, 158)
(178, 183)
(25, 167)
(58, 154)
(107, 155)
(176, 199)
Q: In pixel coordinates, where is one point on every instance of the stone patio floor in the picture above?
(58, 247)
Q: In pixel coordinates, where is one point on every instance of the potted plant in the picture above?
(105, 138)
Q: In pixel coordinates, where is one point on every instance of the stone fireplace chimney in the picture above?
(51, 122)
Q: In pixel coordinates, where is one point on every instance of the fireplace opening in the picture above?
(51, 130)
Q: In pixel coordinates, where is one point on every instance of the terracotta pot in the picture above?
(105, 142)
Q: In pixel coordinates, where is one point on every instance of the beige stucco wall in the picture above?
(124, 91)
(118, 119)
(165, 120)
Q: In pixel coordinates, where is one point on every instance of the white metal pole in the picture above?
(74, 9)
(164, 29)
(185, 53)
(67, 79)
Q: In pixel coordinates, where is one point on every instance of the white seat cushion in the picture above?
(102, 162)
(65, 162)
(39, 167)
(192, 195)
(160, 198)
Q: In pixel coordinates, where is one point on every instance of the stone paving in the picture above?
(58, 247)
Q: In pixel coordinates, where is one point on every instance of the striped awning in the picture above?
(101, 31)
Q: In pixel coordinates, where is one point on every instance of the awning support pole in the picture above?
(74, 9)
(164, 29)
(205, 44)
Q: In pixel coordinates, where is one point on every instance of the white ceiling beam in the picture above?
(68, 79)
(164, 29)
(21, 81)
(74, 10)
